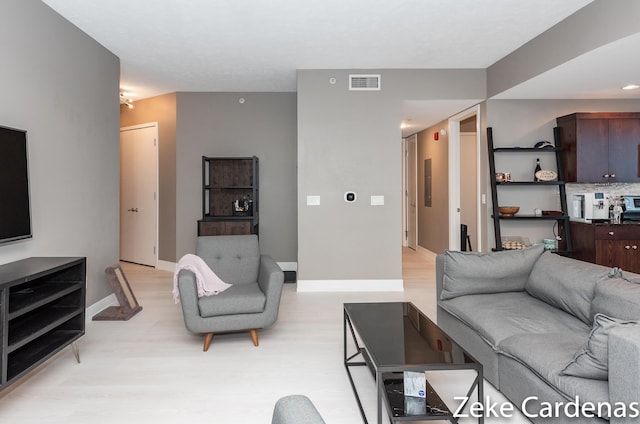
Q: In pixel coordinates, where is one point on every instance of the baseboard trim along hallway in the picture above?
(350, 286)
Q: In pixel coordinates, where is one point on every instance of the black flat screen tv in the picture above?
(15, 210)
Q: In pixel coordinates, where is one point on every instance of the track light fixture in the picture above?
(125, 101)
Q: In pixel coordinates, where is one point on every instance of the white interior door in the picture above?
(138, 194)
(412, 192)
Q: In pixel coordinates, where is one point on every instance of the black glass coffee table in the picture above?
(394, 337)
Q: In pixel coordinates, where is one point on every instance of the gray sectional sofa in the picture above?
(555, 335)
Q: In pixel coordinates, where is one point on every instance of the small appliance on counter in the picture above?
(632, 209)
(589, 207)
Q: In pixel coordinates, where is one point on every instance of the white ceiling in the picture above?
(251, 45)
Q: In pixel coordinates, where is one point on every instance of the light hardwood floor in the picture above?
(151, 370)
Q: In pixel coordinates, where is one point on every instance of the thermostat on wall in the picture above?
(349, 197)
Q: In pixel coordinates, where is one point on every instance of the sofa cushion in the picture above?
(566, 283)
(546, 354)
(495, 317)
(237, 299)
(592, 359)
(618, 298)
(497, 272)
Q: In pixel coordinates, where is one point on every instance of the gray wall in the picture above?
(433, 221)
(352, 141)
(62, 87)
(161, 109)
(217, 124)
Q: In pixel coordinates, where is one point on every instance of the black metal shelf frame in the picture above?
(497, 217)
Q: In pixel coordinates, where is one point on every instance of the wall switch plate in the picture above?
(313, 200)
(377, 200)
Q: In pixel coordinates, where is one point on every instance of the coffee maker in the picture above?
(589, 207)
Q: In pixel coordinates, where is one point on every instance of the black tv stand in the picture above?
(42, 310)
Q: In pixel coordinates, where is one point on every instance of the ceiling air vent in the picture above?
(364, 82)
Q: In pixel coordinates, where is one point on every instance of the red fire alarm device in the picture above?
(436, 135)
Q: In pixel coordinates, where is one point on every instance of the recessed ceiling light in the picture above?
(631, 87)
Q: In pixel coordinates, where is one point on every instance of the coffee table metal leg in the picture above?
(380, 384)
(348, 363)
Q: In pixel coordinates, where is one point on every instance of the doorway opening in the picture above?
(465, 191)
(410, 183)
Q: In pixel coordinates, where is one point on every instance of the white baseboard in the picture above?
(166, 266)
(100, 305)
(425, 252)
(288, 266)
(350, 286)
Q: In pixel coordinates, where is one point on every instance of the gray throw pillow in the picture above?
(565, 283)
(477, 273)
(592, 360)
(617, 297)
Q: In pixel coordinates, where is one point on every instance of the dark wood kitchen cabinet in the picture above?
(608, 245)
(601, 147)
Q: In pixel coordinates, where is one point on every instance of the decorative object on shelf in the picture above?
(538, 169)
(242, 207)
(544, 144)
(508, 210)
(549, 244)
(552, 213)
(503, 177)
(515, 242)
(546, 175)
(129, 306)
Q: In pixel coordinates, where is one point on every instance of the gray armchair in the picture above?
(251, 303)
(295, 409)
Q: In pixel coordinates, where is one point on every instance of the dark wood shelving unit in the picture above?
(225, 180)
(562, 219)
(42, 310)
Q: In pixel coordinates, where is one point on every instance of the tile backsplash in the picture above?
(612, 189)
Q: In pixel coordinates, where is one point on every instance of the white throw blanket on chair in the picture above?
(207, 282)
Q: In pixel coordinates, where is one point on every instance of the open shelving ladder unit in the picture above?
(562, 220)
